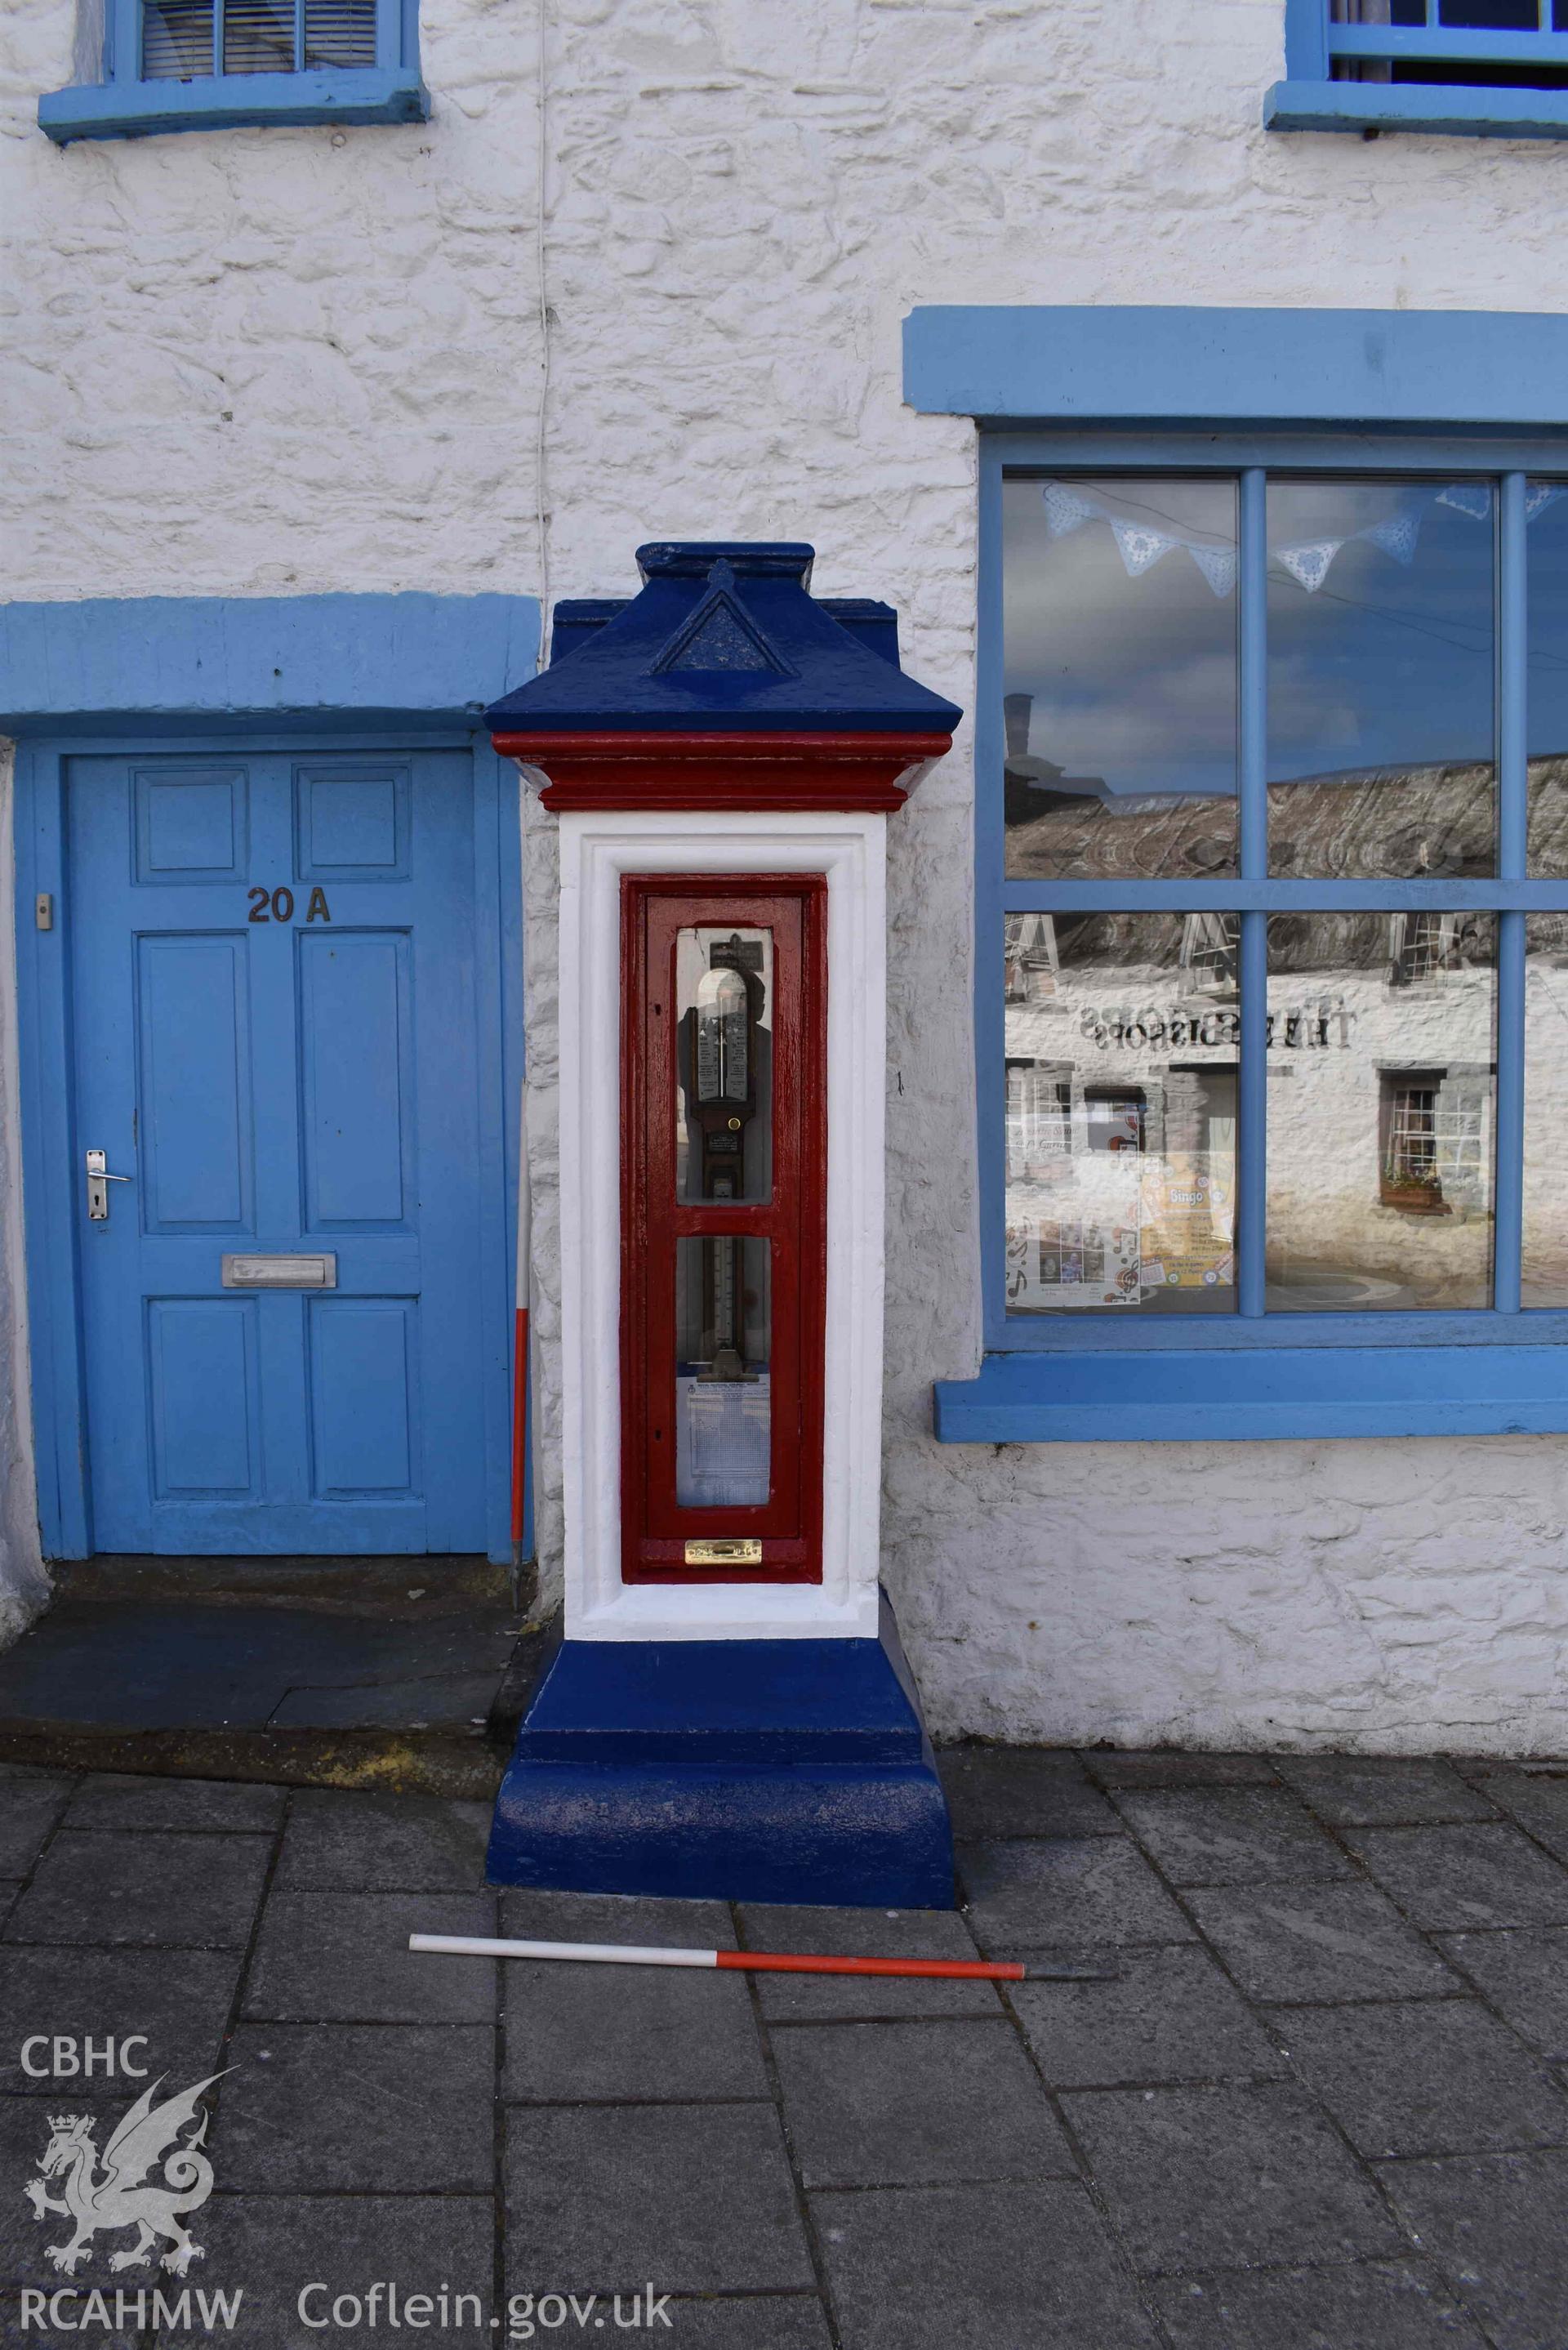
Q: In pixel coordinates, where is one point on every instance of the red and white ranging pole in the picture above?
(793, 1962)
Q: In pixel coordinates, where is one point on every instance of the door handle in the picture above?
(99, 1180)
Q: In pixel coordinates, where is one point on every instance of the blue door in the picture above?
(276, 1043)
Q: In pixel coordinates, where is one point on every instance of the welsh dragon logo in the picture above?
(122, 2194)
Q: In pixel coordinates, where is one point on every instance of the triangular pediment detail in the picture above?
(719, 637)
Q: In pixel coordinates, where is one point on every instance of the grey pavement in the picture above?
(1321, 2104)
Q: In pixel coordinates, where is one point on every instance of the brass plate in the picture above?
(725, 1550)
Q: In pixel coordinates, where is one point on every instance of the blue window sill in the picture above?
(142, 109)
(1412, 105)
(1182, 1394)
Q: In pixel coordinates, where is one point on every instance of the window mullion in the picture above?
(1512, 768)
(123, 19)
(1253, 959)
(1513, 811)
(1508, 1176)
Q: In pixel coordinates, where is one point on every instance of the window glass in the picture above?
(724, 1107)
(176, 39)
(1380, 680)
(723, 1347)
(1546, 718)
(258, 36)
(1119, 688)
(1121, 1042)
(1455, 17)
(1544, 1268)
(1380, 1111)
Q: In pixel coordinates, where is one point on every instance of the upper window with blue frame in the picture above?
(1282, 976)
(203, 65)
(1497, 67)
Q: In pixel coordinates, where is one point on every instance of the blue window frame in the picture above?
(1495, 69)
(211, 65)
(1261, 1365)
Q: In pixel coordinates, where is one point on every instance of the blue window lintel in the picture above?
(1186, 1395)
(130, 109)
(1476, 112)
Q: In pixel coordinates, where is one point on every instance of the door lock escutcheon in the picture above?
(99, 1180)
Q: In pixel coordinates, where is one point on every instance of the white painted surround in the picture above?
(595, 852)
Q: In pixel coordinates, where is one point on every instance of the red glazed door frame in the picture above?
(655, 1528)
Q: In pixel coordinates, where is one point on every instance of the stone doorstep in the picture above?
(395, 1763)
(406, 1675)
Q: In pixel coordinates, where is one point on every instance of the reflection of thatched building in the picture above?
(1377, 824)
(1381, 1044)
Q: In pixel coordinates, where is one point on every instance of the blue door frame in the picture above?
(296, 674)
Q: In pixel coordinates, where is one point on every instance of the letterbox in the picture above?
(728, 1713)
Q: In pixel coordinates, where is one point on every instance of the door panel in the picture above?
(363, 1395)
(277, 1017)
(355, 1048)
(192, 1017)
(201, 1377)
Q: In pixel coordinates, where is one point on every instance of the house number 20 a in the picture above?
(277, 906)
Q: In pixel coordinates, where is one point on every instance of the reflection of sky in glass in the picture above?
(1547, 600)
(1132, 679)
(1388, 661)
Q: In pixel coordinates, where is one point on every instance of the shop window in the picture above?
(190, 65)
(1280, 979)
(1497, 67)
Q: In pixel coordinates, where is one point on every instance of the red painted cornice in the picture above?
(765, 771)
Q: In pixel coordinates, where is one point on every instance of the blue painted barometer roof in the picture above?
(725, 634)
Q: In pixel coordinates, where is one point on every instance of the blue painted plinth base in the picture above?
(727, 1770)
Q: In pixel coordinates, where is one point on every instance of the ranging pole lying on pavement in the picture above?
(793, 1962)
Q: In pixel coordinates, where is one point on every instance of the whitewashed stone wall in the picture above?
(253, 361)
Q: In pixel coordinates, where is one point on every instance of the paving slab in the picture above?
(359, 2108)
(1382, 1790)
(1172, 1767)
(1539, 1804)
(1426, 2077)
(1458, 1876)
(276, 2246)
(977, 2267)
(1170, 2016)
(1063, 1891)
(859, 1933)
(580, 2033)
(762, 2320)
(1328, 1941)
(696, 2199)
(1218, 2177)
(344, 1958)
(29, 1809)
(615, 1917)
(1021, 1791)
(1495, 2226)
(182, 2010)
(120, 1803)
(382, 1844)
(908, 2105)
(1231, 1835)
(1373, 2305)
(1523, 1973)
(179, 1892)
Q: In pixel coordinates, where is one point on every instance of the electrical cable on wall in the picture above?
(539, 249)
